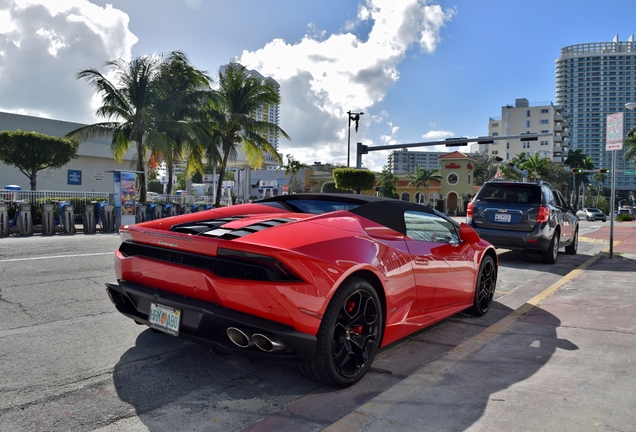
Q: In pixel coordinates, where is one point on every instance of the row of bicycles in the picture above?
(153, 211)
(59, 216)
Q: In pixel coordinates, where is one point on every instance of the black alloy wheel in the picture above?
(349, 336)
(485, 287)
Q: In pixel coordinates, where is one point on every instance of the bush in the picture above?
(155, 186)
(330, 187)
(624, 217)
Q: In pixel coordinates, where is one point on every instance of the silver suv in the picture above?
(524, 216)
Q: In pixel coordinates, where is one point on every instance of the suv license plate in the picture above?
(164, 318)
(502, 217)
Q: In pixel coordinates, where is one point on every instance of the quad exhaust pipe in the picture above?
(246, 339)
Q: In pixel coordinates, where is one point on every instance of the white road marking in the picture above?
(56, 256)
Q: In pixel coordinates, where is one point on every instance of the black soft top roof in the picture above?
(385, 211)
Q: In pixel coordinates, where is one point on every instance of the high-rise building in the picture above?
(404, 161)
(529, 118)
(592, 81)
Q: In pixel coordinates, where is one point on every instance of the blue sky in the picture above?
(420, 70)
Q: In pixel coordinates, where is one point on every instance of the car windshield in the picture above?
(510, 193)
(594, 210)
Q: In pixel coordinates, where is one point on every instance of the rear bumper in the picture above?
(537, 240)
(207, 323)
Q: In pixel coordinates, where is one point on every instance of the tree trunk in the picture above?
(33, 178)
(219, 186)
(142, 171)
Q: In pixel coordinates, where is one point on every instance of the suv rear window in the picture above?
(510, 193)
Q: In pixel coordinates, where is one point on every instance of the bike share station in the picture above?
(22, 217)
(125, 196)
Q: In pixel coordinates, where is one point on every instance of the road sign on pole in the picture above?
(613, 142)
(614, 135)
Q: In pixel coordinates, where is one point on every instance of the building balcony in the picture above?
(558, 158)
(558, 128)
(558, 118)
(557, 139)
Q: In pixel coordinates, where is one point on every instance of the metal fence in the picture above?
(79, 200)
(39, 198)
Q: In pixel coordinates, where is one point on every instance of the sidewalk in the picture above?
(563, 361)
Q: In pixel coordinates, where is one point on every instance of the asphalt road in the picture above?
(69, 361)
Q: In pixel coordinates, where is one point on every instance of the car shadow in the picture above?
(162, 374)
(193, 383)
(531, 260)
(468, 368)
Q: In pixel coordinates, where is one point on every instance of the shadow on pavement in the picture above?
(452, 392)
(194, 384)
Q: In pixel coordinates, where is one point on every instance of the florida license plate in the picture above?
(164, 318)
(502, 217)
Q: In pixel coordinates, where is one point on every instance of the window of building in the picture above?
(527, 113)
(452, 179)
(544, 110)
(526, 123)
(544, 143)
(545, 121)
(495, 134)
(507, 146)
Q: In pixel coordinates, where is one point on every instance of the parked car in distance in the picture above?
(591, 214)
(524, 216)
(318, 280)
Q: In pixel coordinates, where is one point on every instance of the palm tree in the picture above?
(577, 159)
(599, 178)
(293, 167)
(231, 120)
(127, 106)
(630, 145)
(184, 91)
(423, 177)
(536, 166)
(518, 161)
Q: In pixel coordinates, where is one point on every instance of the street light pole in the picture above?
(355, 116)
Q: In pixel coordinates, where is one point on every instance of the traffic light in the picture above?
(577, 170)
(605, 171)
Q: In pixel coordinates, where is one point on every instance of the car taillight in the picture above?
(469, 210)
(543, 214)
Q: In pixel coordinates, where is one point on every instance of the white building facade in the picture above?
(89, 171)
(530, 118)
(592, 81)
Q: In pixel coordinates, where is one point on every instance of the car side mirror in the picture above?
(467, 233)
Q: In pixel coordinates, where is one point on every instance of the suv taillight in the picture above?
(543, 214)
(469, 210)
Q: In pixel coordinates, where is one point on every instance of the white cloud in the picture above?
(323, 78)
(43, 47)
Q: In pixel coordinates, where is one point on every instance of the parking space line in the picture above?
(55, 257)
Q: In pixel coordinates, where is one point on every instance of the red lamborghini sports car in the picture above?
(319, 280)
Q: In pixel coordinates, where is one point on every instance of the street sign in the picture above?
(629, 172)
(614, 135)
